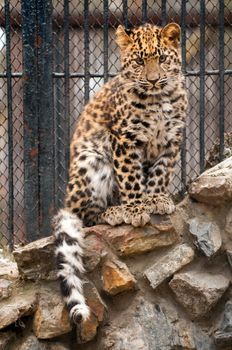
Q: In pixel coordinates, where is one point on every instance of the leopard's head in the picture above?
(150, 56)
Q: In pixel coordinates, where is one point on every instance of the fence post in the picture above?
(38, 117)
(31, 142)
(45, 115)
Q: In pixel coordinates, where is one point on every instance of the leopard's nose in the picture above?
(153, 81)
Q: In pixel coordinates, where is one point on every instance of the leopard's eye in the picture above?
(162, 58)
(139, 61)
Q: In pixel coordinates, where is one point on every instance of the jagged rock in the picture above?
(223, 336)
(24, 303)
(88, 329)
(36, 260)
(5, 289)
(6, 339)
(214, 186)
(197, 291)
(146, 326)
(116, 277)
(51, 317)
(127, 240)
(229, 257)
(95, 249)
(169, 264)
(8, 269)
(207, 234)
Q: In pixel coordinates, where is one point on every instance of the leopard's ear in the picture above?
(171, 34)
(123, 38)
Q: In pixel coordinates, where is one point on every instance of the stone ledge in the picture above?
(142, 319)
(127, 240)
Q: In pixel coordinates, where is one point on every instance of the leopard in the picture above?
(123, 151)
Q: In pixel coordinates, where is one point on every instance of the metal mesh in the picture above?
(84, 56)
(11, 127)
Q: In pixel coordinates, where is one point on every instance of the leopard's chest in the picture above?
(155, 129)
(153, 120)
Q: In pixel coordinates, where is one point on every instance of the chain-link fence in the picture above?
(54, 55)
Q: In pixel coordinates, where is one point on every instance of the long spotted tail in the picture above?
(69, 250)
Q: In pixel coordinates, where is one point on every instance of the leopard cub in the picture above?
(124, 149)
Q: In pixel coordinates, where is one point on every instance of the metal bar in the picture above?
(183, 53)
(209, 72)
(31, 170)
(144, 11)
(45, 115)
(59, 122)
(66, 87)
(125, 13)
(221, 79)
(163, 12)
(105, 39)
(81, 75)
(202, 86)
(9, 127)
(99, 75)
(13, 74)
(96, 18)
(86, 47)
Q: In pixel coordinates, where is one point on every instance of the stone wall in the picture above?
(164, 286)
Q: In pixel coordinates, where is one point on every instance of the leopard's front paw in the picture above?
(136, 215)
(113, 216)
(161, 204)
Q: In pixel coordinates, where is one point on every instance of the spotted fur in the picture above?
(124, 149)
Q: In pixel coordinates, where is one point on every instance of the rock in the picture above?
(51, 318)
(22, 304)
(8, 269)
(223, 336)
(32, 343)
(213, 156)
(146, 326)
(95, 249)
(207, 234)
(229, 257)
(6, 339)
(127, 240)
(116, 277)
(5, 289)
(228, 225)
(58, 346)
(36, 260)
(169, 264)
(214, 186)
(88, 329)
(197, 291)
